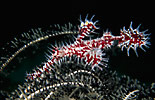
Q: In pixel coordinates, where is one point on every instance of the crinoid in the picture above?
(77, 69)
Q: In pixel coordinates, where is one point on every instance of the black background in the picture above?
(21, 17)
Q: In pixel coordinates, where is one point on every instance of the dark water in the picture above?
(141, 68)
